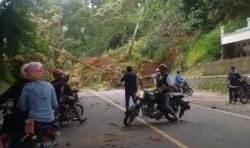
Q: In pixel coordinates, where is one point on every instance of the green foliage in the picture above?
(159, 55)
(33, 28)
(18, 30)
(218, 85)
(206, 14)
(151, 45)
(18, 36)
(74, 46)
(235, 24)
(5, 74)
(207, 48)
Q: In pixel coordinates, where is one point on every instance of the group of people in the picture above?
(33, 98)
(163, 81)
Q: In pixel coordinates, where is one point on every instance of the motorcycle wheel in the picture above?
(244, 98)
(189, 91)
(80, 109)
(171, 118)
(130, 115)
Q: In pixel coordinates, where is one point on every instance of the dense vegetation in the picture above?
(182, 33)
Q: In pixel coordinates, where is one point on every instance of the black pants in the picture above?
(233, 94)
(129, 95)
(13, 125)
(14, 122)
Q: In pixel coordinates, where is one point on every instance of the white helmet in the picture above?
(22, 71)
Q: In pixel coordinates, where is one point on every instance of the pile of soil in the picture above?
(106, 71)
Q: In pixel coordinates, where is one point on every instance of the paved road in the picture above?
(201, 128)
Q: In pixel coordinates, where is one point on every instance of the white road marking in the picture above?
(221, 111)
(157, 130)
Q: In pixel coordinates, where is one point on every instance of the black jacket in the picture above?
(130, 80)
(14, 91)
(62, 88)
(234, 78)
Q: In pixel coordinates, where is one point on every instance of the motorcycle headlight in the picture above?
(140, 94)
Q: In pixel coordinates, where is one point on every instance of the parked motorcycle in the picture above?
(66, 113)
(147, 102)
(245, 96)
(238, 93)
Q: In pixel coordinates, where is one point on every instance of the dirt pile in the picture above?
(106, 71)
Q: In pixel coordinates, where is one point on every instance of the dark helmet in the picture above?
(58, 73)
(178, 72)
(163, 67)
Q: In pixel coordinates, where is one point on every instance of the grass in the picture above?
(207, 48)
(3, 86)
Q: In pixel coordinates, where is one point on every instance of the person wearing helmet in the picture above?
(164, 84)
(38, 97)
(163, 79)
(63, 89)
(37, 101)
(179, 80)
(16, 63)
(13, 93)
(58, 83)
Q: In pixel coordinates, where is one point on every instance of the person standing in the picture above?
(234, 82)
(131, 85)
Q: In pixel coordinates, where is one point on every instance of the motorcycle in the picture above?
(238, 93)
(6, 111)
(147, 102)
(245, 95)
(66, 114)
(43, 136)
(187, 89)
(39, 135)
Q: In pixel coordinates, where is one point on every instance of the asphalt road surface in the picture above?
(201, 127)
